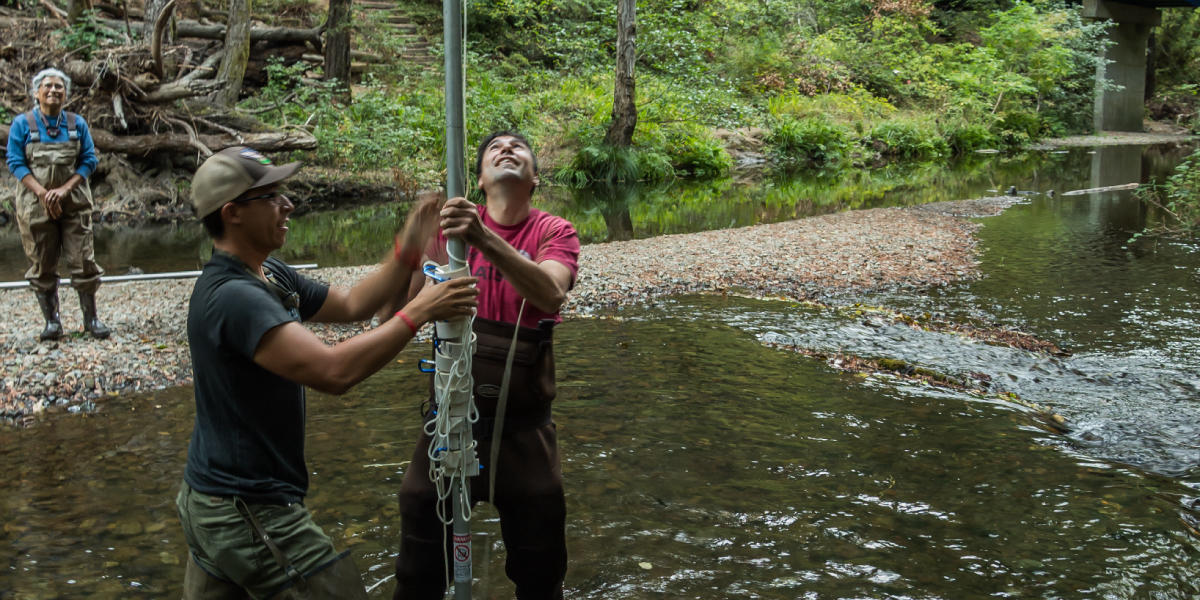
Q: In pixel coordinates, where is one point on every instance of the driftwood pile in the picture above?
(152, 101)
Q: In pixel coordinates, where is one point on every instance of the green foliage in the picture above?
(827, 79)
(1017, 128)
(695, 153)
(855, 106)
(1177, 48)
(1049, 53)
(381, 129)
(86, 35)
(809, 141)
(908, 138)
(610, 164)
(963, 137)
(549, 33)
(1179, 198)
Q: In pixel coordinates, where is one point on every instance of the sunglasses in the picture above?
(276, 198)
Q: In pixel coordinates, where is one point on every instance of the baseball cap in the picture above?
(229, 173)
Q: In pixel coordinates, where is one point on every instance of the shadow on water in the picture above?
(702, 464)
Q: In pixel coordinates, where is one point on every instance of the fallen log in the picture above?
(176, 90)
(216, 31)
(145, 145)
(1107, 188)
(277, 35)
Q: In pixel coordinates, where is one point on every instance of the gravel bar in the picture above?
(809, 258)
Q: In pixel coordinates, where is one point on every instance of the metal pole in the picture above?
(461, 451)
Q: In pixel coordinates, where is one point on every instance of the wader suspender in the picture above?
(280, 557)
(501, 408)
(35, 135)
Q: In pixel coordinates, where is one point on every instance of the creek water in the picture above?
(701, 463)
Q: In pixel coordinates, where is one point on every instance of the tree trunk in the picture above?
(337, 44)
(1151, 66)
(153, 9)
(75, 9)
(624, 116)
(237, 53)
(616, 212)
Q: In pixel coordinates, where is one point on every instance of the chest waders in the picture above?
(45, 240)
(517, 445)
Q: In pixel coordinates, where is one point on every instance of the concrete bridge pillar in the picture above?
(1122, 109)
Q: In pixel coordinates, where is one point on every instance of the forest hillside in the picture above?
(720, 85)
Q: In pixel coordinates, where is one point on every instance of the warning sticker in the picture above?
(462, 548)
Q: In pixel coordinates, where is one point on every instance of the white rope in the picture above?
(438, 429)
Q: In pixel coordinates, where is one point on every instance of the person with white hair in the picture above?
(50, 151)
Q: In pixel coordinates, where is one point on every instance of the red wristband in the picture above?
(407, 257)
(407, 321)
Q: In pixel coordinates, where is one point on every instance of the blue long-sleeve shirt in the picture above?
(18, 136)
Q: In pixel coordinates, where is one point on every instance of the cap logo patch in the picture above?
(254, 155)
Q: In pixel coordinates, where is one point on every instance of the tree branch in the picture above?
(160, 24)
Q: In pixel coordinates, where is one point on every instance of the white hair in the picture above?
(44, 73)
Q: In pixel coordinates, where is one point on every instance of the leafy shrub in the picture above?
(86, 35)
(967, 137)
(698, 155)
(611, 164)
(1052, 52)
(1016, 128)
(1179, 198)
(812, 140)
(854, 106)
(905, 138)
(1007, 73)
(1177, 48)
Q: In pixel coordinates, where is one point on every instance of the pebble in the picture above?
(896, 248)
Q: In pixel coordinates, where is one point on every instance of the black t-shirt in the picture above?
(248, 439)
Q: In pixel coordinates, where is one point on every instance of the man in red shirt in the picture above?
(526, 262)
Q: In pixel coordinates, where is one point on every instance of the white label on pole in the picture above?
(462, 557)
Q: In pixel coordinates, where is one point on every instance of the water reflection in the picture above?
(360, 235)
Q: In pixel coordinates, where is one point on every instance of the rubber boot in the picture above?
(49, 303)
(91, 323)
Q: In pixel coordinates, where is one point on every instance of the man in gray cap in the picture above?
(240, 503)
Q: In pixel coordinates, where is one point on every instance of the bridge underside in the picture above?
(1164, 3)
(1121, 106)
